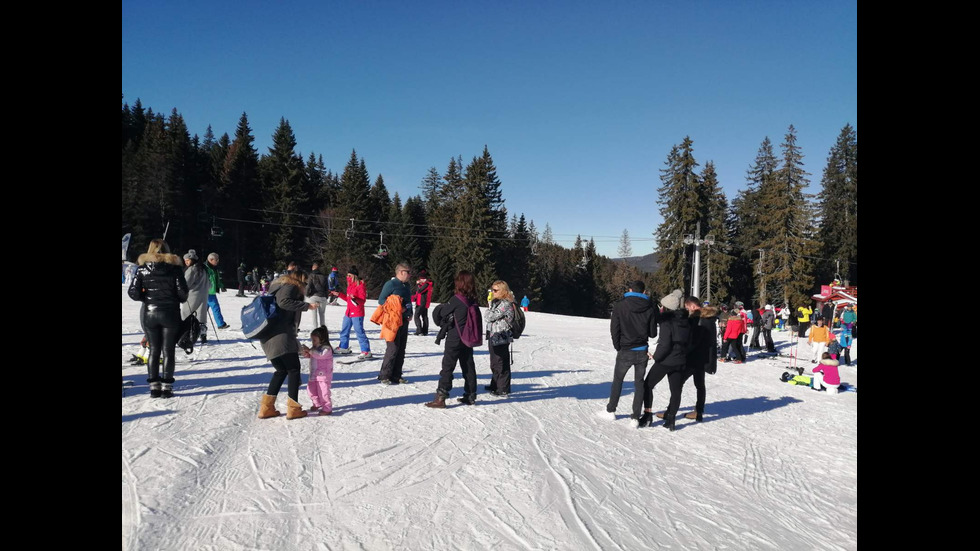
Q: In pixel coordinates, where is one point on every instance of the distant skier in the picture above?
(525, 303)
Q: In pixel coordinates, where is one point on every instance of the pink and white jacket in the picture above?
(831, 376)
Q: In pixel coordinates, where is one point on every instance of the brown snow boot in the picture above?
(438, 402)
(294, 410)
(660, 415)
(696, 415)
(268, 407)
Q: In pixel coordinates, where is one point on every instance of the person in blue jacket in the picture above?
(525, 303)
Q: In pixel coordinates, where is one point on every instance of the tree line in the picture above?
(218, 194)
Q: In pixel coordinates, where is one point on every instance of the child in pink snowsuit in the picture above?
(321, 370)
(826, 374)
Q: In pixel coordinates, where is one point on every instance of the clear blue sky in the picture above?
(579, 102)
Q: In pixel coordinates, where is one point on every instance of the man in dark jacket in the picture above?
(241, 280)
(768, 322)
(670, 358)
(394, 360)
(633, 321)
(317, 292)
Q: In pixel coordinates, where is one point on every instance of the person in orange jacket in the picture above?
(819, 339)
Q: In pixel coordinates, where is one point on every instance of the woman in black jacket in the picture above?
(670, 358)
(160, 285)
(452, 315)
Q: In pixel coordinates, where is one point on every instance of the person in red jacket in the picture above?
(734, 330)
(421, 299)
(354, 316)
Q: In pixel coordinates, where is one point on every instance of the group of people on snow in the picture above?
(171, 295)
(688, 334)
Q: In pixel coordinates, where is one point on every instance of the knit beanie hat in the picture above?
(353, 271)
(674, 300)
(191, 255)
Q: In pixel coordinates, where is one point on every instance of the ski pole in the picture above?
(210, 317)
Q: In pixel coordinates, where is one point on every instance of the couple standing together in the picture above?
(686, 348)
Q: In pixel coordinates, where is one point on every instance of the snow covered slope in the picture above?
(772, 466)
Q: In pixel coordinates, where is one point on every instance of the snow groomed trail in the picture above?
(772, 466)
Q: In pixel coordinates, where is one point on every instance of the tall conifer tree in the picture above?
(838, 209)
(790, 244)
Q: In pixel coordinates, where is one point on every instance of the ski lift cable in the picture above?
(327, 217)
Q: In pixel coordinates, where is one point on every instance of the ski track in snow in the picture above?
(772, 467)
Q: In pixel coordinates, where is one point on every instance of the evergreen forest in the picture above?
(772, 243)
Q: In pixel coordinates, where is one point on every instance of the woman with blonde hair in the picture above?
(160, 285)
(500, 318)
(281, 345)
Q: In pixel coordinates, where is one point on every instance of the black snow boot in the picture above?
(645, 419)
(669, 421)
(155, 391)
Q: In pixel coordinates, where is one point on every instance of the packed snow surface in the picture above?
(772, 466)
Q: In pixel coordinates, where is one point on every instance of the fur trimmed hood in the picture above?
(709, 312)
(166, 258)
(830, 361)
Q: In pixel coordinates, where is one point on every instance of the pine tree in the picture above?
(430, 186)
(747, 218)
(838, 210)
(239, 197)
(680, 209)
(790, 241)
(716, 260)
(283, 176)
(415, 224)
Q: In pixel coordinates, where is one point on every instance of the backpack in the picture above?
(258, 314)
(190, 331)
(471, 334)
(517, 326)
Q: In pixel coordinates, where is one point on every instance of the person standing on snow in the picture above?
(394, 360)
(160, 285)
(704, 350)
(820, 336)
(768, 321)
(670, 358)
(500, 318)
(734, 329)
(355, 297)
(197, 292)
(422, 299)
(241, 280)
(803, 317)
(632, 323)
(281, 345)
(316, 292)
(216, 286)
(332, 285)
(525, 303)
(452, 316)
